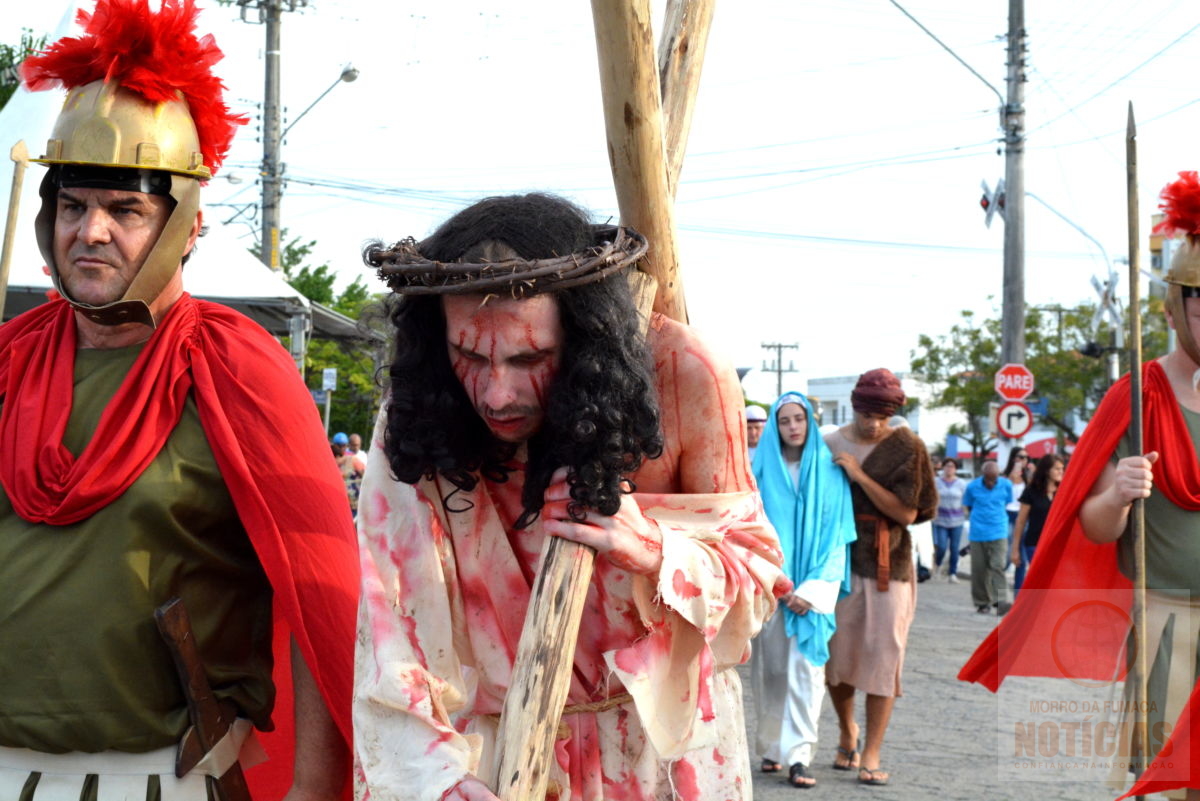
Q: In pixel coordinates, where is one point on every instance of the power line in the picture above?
(948, 50)
(842, 136)
(827, 176)
(875, 243)
(1077, 106)
(1120, 131)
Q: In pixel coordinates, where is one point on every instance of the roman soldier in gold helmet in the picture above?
(147, 118)
(156, 447)
(1181, 210)
(1086, 551)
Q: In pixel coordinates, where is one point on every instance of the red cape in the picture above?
(1075, 568)
(268, 442)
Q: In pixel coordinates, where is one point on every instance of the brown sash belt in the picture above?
(883, 551)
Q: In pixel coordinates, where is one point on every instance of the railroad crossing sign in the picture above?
(1014, 382)
(1013, 419)
(1109, 306)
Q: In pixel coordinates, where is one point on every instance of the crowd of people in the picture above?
(833, 499)
(351, 461)
(1006, 511)
(841, 503)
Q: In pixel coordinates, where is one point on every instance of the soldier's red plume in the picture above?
(1181, 205)
(152, 54)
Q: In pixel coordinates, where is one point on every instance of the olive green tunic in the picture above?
(83, 667)
(1173, 570)
(1172, 534)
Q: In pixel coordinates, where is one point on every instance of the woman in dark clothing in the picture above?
(1035, 505)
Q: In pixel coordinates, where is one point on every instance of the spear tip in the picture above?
(1131, 127)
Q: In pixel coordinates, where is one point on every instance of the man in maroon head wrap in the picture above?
(891, 486)
(877, 393)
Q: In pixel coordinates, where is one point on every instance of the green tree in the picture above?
(11, 57)
(961, 365)
(357, 396)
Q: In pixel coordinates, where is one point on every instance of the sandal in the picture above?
(770, 766)
(873, 776)
(851, 757)
(797, 772)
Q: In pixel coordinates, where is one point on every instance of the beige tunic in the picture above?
(867, 650)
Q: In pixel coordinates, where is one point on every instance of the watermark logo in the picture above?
(1082, 640)
(1068, 711)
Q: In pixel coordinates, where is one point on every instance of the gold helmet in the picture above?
(1181, 215)
(104, 124)
(143, 113)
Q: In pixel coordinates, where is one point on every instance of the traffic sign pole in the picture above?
(329, 384)
(1014, 383)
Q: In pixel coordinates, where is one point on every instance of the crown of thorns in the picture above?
(407, 272)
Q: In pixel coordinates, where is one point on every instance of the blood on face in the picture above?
(505, 353)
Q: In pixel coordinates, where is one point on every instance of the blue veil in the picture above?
(814, 519)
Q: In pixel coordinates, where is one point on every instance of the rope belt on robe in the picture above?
(603, 705)
(883, 551)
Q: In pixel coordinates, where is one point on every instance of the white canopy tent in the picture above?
(220, 270)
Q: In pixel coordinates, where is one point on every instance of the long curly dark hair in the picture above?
(602, 414)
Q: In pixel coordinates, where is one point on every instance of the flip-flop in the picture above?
(770, 766)
(873, 776)
(851, 758)
(799, 771)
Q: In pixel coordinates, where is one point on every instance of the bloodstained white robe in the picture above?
(444, 601)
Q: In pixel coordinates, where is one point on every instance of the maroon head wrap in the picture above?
(877, 392)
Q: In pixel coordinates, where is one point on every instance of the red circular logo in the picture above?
(1082, 639)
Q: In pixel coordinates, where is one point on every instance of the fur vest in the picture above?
(901, 465)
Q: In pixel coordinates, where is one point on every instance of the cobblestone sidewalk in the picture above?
(943, 739)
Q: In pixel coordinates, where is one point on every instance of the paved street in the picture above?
(943, 740)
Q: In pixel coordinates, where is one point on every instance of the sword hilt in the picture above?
(209, 721)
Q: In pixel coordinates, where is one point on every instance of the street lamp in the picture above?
(349, 75)
(272, 170)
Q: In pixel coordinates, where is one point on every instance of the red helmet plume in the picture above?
(153, 55)
(1180, 205)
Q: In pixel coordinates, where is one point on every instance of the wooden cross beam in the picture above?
(646, 154)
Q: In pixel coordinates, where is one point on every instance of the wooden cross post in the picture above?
(644, 172)
(633, 122)
(680, 57)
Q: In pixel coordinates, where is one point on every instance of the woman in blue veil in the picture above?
(807, 500)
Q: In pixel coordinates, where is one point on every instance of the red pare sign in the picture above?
(1014, 382)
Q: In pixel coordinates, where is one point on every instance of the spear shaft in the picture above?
(20, 156)
(1138, 512)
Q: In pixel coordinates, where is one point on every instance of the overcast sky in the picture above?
(830, 192)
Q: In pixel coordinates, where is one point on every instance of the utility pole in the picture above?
(776, 366)
(270, 13)
(272, 169)
(1012, 347)
(1012, 206)
(1059, 311)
